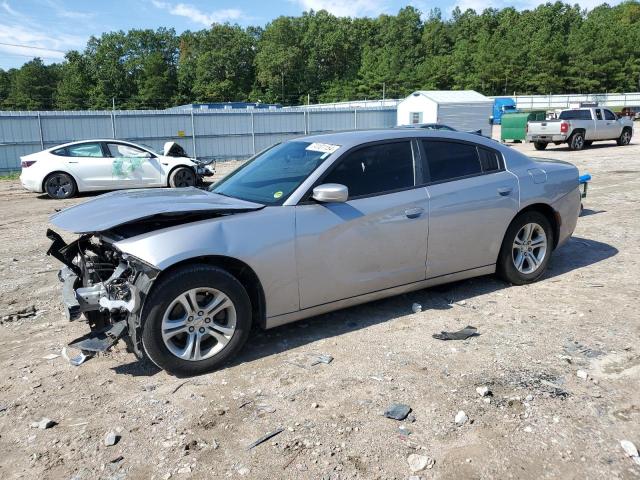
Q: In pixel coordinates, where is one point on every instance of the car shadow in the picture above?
(594, 146)
(586, 212)
(576, 253)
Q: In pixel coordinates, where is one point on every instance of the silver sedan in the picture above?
(307, 226)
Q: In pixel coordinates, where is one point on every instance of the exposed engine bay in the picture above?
(105, 286)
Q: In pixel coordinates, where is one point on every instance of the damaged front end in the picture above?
(105, 286)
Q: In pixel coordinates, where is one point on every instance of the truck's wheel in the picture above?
(624, 138)
(576, 141)
(540, 145)
(196, 318)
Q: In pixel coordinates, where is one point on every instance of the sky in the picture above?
(49, 28)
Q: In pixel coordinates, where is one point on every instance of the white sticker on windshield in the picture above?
(323, 147)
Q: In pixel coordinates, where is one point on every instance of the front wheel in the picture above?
(526, 249)
(182, 177)
(576, 141)
(540, 145)
(624, 138)
(195, 319)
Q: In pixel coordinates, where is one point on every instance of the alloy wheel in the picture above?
(529, 248)
(184, 178)
(59, 186)
(198, 324)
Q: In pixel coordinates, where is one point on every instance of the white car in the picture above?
(93, 165)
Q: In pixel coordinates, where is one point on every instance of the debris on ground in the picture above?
(419, 462)
(111, 438)
(631, 450)
(266, 437)
(19, 314)
(582, 374)
(461, 418)
(51, 356)
(44, 423)
(483, 391)
(397, 411)
(78, 359)
(463, 334)
(326, 359)
(416, 308)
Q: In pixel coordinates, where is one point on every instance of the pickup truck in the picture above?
(580, 127)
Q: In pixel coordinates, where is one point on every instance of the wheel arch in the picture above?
(578, 130)
(550, 214)
(241, 271)
(44, 180)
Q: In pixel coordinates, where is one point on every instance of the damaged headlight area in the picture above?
(105, 286)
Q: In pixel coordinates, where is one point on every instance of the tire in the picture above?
(511, 253)
(624, 138)
(60, 186)
(168, 326)
(540, 145)
(576, 141)
(588, 143)
(182, 177)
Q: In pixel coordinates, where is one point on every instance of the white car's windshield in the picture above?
(274, 174)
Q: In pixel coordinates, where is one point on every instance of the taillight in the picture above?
(27, 163)
(564, 127)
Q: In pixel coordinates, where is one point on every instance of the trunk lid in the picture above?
(127, 206)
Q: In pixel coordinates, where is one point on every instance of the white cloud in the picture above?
(346, 8)
(28, 38)
(198, 16)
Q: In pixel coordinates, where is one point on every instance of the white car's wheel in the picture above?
(182, 177)
(59, 186)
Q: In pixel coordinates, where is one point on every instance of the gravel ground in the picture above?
(561, 359)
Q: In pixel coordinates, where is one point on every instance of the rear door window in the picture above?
(375, 169)
(598, 114)
(450, 160)
(85, 150)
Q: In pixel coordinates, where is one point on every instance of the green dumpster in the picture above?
(514, 125)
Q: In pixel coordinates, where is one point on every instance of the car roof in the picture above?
(357, 137)
(97, 140)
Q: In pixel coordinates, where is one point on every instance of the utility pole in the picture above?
(383, 90)
(113, 104)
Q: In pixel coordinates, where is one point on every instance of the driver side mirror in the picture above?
(331, 193)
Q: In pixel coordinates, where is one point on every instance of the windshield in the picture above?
(274, 174)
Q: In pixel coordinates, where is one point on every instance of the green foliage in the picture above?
(555, 47)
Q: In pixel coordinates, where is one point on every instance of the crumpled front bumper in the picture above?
(69, 299)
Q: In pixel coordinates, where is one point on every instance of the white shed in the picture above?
(464, 110)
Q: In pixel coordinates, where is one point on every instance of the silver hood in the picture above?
(126, 206)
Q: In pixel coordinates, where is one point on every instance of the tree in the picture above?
(72, 91)
(33, 86)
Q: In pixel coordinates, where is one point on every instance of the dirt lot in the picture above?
(542, 421)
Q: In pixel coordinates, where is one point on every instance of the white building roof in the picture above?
(453, 96)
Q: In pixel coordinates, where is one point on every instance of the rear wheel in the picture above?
(540, 145)
(576, 141)
(526, 249)
(182, 177)
(625, 137)
(195, 319)
(60, 185)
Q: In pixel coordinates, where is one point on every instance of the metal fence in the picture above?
(549, 102)
(210, 134)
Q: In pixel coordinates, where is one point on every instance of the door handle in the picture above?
(414, 212)
(504, 191)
